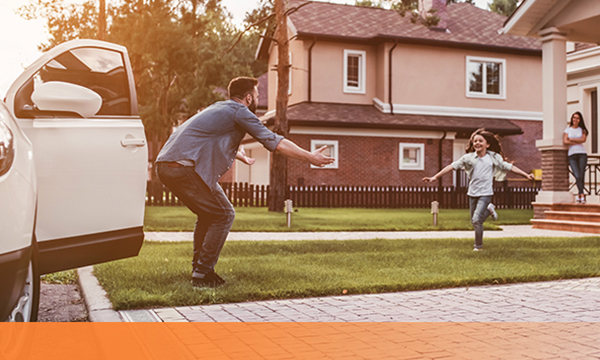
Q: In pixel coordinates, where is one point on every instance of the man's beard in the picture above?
(252, 106)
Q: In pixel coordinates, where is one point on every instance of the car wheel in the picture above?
(26, 309)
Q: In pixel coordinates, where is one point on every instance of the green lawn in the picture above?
(160, 275)
(179, 218)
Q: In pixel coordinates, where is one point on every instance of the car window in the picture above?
(100, 70)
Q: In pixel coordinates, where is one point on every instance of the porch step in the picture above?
(566, 225)
(593, 217)
(588, 208)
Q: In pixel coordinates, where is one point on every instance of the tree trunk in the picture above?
(278, 178)
(102, 20)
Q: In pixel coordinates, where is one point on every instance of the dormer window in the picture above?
(486, 78)
(354, 71)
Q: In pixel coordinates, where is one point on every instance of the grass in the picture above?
(68, 277)
(179, 218)
(160, 275)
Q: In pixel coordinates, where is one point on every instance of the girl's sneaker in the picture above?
(583, 199)
(492, 210)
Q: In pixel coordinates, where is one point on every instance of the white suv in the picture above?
(73, 169)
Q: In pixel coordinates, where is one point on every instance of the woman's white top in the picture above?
(574, 133)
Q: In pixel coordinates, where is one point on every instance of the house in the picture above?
(394, 100)
(570, 83)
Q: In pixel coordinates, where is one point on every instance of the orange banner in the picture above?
(173, 341)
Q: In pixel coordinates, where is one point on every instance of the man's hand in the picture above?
(429, 179)
(241, 155)
(320, 160)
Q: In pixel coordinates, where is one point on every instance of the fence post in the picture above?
(434, 210)
(288, 211)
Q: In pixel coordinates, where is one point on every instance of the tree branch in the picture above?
(246, 29)
(288, 12)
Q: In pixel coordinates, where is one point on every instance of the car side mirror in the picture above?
(56, 96)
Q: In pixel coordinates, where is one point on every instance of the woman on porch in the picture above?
(574, 136)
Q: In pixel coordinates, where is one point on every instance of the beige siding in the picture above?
(382, 71)
(328, 67)
(425, 75)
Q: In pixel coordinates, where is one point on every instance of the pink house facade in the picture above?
(394, 100)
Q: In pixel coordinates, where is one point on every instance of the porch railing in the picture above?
(592, 172)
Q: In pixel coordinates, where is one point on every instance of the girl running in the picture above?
(483, 163)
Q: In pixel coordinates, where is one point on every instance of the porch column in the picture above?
(555, 171)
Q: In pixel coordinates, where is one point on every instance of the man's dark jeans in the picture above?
(215, 212)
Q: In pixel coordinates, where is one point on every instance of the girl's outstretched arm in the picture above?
(516, 170)
(442, 172)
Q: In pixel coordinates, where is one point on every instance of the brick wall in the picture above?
(366, 161)
(521, 150)
(555, 170)
(374, 161)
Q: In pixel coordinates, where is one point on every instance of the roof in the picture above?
(367, 116)
(467, 26)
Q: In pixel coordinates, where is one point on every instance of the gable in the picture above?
(578, 19)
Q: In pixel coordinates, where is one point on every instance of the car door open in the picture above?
(78, 106)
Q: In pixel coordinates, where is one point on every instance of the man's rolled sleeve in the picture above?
(250, 123)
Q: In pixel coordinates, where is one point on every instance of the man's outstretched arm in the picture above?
(289, 149)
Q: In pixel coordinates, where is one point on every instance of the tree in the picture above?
(504, 7)
(176, 47)
(369, 3)
(64, 21)
(278, 176)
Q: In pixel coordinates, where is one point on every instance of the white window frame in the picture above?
(420, 165)
(362, 70)
(484, 94)
(315, 144)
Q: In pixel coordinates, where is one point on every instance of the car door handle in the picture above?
(133, 142)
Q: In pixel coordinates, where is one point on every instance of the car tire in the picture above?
(26, 309)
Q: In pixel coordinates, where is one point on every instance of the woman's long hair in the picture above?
(581, 123)
(491, 139)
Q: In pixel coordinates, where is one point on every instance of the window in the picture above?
(332, 150)
(100, 70)
(354, 71)
(412, 156)
(486, 77)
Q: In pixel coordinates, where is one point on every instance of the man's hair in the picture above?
(241, 86)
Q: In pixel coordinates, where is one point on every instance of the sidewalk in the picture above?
(564, 301)
(510, 231)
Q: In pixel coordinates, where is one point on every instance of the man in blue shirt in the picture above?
(201, 150)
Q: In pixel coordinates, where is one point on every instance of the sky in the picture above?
(19, 38)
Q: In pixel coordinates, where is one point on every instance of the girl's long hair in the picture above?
(491, 139)
(581, 123)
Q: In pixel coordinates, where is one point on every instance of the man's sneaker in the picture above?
(492, 210)
(210, 279)
(583, 199)
(578, 201)
(477, 249)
